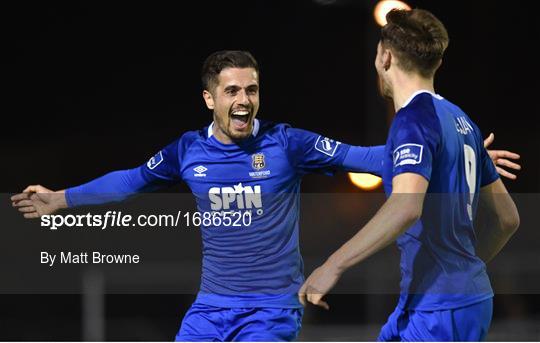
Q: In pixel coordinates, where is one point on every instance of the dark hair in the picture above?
(418, 39)
(216, 62)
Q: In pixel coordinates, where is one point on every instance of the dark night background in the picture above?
(94, 87)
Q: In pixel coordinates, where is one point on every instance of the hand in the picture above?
(499, 158)
(36, 201)
(318, 284)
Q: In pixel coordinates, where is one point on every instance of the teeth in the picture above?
(240, 113)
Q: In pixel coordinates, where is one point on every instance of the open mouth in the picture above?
(240, 119)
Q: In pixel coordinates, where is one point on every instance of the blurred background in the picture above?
(92, 87)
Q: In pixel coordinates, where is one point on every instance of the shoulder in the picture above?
(270, 128)
(420, 113)
(274, 131)
(284, 131)
(186, 140)
(290, 137)
(420, 108)
(169, 158)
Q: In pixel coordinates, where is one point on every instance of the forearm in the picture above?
(395, 217)
(494, 231)
(491, 243)
(498, 220)
(112, 187)
(364, 159)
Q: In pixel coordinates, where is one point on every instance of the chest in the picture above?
(261, 168)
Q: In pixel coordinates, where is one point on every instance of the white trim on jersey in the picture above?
(254, 133)
(436, 96)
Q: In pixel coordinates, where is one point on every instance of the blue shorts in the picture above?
(469, 323)
(217, 324)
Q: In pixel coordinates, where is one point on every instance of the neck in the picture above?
(406, 85)
(220, 135)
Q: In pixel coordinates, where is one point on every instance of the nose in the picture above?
(242, 98)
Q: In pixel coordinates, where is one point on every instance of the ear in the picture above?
(387, 59)
(439, 64)
(209, 99)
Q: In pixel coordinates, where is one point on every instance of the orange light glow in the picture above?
(364, 181)
(385, 6)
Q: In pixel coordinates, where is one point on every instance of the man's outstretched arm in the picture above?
(361, 159)
(161, 170)
(369, 159)
(112, 187)
(402, 209)
(37, 200)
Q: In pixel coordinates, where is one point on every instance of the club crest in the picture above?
(258, 162)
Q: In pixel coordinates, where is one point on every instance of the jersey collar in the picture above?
(254, 133)
(437, 96)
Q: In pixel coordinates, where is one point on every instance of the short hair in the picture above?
(216, 62)
(418, 39)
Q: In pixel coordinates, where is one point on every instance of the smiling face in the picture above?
(235, 102)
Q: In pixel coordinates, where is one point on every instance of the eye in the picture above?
(252, 91)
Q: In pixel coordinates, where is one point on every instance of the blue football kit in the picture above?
(250, 274)
(445, 290)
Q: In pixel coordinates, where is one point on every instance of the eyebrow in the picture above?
(235, 87)
(232, 87)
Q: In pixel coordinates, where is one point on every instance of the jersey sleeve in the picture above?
(313, 153)
(415, 139)
(361, 159)
(161, 170)
(164, 166)
(488, 171)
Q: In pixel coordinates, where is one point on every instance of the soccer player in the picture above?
(435, 167)
(250, 276)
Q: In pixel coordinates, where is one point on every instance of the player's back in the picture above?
(456, 170)
(440, 269)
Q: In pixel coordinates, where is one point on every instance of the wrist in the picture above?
(59, 199)
(335, 265)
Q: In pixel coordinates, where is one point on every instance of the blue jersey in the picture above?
(257, 265)
(439, 267)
